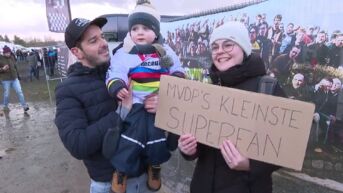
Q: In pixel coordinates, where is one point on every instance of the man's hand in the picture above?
(5, 68)
(151, 102)
(332, 118)
(122, 94)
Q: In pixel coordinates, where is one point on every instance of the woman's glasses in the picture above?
(226, 46)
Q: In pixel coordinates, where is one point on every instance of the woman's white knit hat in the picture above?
(234, 31)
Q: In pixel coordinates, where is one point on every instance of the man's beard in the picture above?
(95, 61)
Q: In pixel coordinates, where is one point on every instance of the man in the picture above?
(265, 43)
(256, 47)
(288, 39)
(335, 132)
(258, 21)
(325, 110)
(85, 114)
(299, 90)
(275, 36)
(9, 78)
(318, 51)
(282, 64)
(276, 24)
(336, 52)
(52, 58)
(33, 63)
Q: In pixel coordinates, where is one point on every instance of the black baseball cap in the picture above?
(77, 27)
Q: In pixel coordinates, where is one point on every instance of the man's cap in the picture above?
(77, 27)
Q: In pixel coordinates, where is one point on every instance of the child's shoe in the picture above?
(154, 177)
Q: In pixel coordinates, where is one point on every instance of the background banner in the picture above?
(58, 15)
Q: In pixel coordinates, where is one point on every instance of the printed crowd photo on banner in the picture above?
(301, 44)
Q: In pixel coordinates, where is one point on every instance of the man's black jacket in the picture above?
(85, 112)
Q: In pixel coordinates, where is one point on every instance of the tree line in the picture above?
(29, 43)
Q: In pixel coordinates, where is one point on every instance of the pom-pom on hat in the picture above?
(145, 14)
(234, 31)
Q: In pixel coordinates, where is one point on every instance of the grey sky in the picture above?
(170, 6)
(27, 18)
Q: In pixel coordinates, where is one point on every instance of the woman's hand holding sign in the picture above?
(233, 158)
(188, 144)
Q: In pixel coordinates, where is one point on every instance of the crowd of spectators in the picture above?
(283, 48)
(36, 58)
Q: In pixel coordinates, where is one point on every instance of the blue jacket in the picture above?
(85, 112)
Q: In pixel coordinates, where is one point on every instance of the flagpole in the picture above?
(58, 14)
(69, 11)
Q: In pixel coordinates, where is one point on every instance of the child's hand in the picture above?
(127, 100)
(122, 94)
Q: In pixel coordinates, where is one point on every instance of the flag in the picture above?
(58, 14)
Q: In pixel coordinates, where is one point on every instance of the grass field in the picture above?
(35, 90)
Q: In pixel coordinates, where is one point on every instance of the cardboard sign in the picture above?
(263, 127)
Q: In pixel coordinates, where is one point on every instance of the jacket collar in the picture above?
(252, 66)
(77, 69)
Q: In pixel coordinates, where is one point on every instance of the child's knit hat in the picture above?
(145, 14)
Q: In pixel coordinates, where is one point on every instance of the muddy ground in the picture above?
(33, 160)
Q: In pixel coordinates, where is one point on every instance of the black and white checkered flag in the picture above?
(58, 14)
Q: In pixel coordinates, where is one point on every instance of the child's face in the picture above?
(141, 34)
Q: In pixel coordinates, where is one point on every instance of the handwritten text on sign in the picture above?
(263, 127)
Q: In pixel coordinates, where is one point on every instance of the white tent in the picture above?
(13, 47)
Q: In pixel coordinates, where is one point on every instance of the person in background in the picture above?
(256, 46)
(325, 109)
(320, 50)
(336, 131)
(275, 36)
(336, 52)
(282, 65)
(52, 58)
(33, 62)
(9, 78)
(39, 55)
(288, 39)
(265, 44)
(299, 90)
(226, 169)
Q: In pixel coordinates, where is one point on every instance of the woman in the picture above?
(225, 169)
